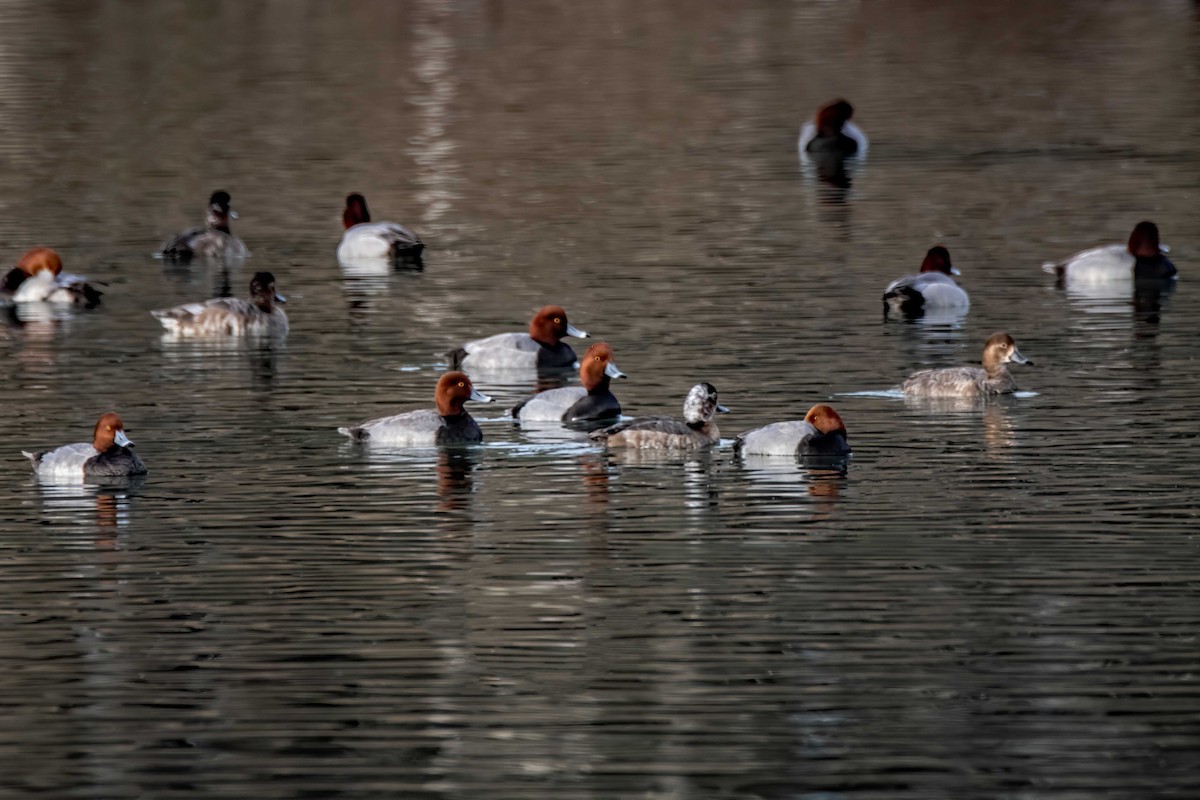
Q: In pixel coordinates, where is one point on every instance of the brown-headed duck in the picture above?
(1141, 258)
(542, 348)
(590, 402)
(365, 239)
(449, 423)
(39, 278)
(108, 455)
(932, 289)
(990, 379)
(820, 433)
(832, 133)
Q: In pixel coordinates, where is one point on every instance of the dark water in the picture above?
(997, 600)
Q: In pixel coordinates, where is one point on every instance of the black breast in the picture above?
(459, 429)
(116, 462)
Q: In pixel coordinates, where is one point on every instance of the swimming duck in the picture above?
(542, 348)
(832, 132)
(448, 424)
(992, 378)
(820, 433)
(1141, 258)
(593, 400)
(107, 456)
(697, 428)
(932, 288)
(258, 316)
(365, 239)
(214, 241)
(38, 278)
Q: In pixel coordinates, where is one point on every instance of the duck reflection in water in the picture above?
(455, 482)
(1149, 295)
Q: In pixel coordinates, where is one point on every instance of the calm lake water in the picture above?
(994, 600)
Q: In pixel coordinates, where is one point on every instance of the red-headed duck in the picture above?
(365, 239)
(448, 424)
(214, 241)
(932, 289)
(39, 278)
(696, 430)
(542, 348)
(832, 133)
(231, 316)
(592, 401)
(1141, 258)
(107, 456)
(820, 433)
(992, 378)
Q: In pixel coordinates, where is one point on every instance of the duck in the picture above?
(38, 278)
(991, 379)
(930, 289)
(1143, 257)
(820, 433)
(831, 133)
(448, 424)
(215, 241)
(696, 430)
(592, 401)
(365, 239)
(231, 316)
(542, 348)
(107, 456)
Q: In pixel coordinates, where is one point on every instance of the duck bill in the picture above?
(233, 214)
(280, 298)
(122, 439)
(1017, 358)
(610, 369)
(722, 409)
(578, 334)
(479, 397)
(955, 271)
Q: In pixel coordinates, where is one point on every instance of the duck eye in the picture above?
(108, 428)
(460, 383)
(557, 320)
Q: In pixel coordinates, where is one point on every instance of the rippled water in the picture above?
(994, 600)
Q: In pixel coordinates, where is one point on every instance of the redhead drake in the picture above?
(593, 400)
(697, 428)
(258, 316)
(820, 433)
(107, 456)
(38, 278)
(832, 133)
(365, 239)
(930, 289)
(212, 241)
(542, 348)
(992, 378)
(1141, 258)
(448, 424)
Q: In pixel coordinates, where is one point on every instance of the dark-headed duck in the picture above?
(365, 239)
(542, 348)
(592, 401)
(214, 241)
(1142, 258)
(990, 379)
(820, 433)
(231, 316)
(932, 289)
(108, 455)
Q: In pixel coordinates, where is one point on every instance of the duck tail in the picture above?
(34, 458)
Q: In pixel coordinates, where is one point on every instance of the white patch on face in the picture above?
(700, 404)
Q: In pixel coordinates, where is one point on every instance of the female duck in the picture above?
(573, 404)
(108, 455)
(426, 427)
(38, 278)
(932, 289)
(1140, 258)
(992, 378)
(832, 133)
(231, 316)
(365, 239)
(696, 430)
(215, 241)
(820, 433)
(542, 348)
